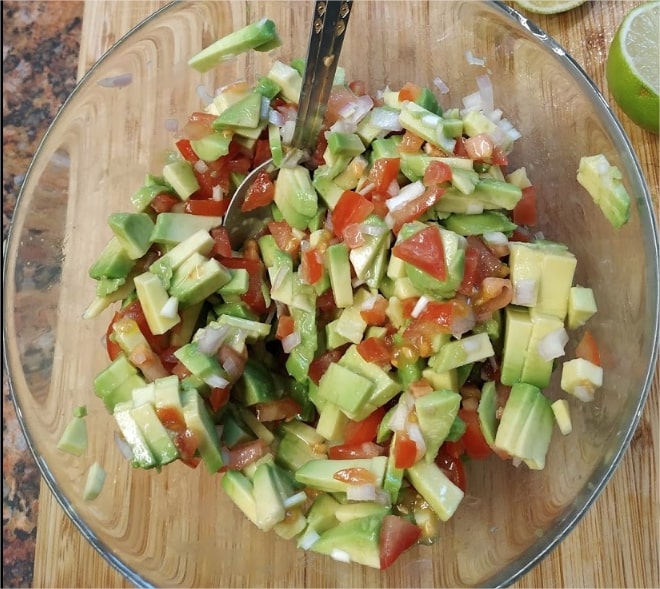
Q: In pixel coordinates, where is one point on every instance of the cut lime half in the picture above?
(549, 6)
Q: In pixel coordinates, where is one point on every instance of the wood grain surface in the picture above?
(616, 543)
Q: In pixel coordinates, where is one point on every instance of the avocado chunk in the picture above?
(355, 540)
(246, 113)
(440, 493)
(485, 222)
(239, 489)
(472, 348)
(256, 384)
(180, 175)
(197, 278)
(562, 413)
(517, 334)
(526, 425)
(142, 455)
(259, 36)
(199, 242)
(269, 506)
(152, 297)
(435, 414)
(199, 421)
(536, 369)
(113, 262)
(94, 482)
(295, 196)
(339, 268)
(133, 230)
(288, 79)
(212, 146)
(487, 412)
(74, 438)
(155, 434)
(581, 306)
(115, 383)
(347, 389)
(173, 228)
(604, 184)
(321, 474)
(581, 378)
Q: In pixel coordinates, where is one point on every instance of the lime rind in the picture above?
(640, 43)
(549, 6)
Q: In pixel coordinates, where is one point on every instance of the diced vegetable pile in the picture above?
(397, 316)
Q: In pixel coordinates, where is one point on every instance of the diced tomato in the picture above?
(186, 443)
(424, 250)
(206, 208)
(480, 263)
(340, 97)
(359, 432)
(588, 350)
(186, 150)
(326, 302)
(222, 245)
(479, 147)
(311, 266)
(355, 476)
(168, 358)
(285, 238)
(285, 408)
(198, 125)
(459, 148)
(499, 157)
(410, 91)
(319, 365)
(134, 311)
(350, 451)
(254, 297)
(524, 213)
(261, 152)
(454, 449)
(218, 397)
(244, 454)
(350, 208)
(436, 172)
(522, 234)
(396, 536)
(317, 156)
(172, 418)
(358, 87)
(180, 371)
(473, 439)
(163, 202)
(410, 142)
(232, 361)
(260, 193)
(405, 450)
(375, 350)
(383, 172)
(285, 327)
(420, 388)
(452, 466)
(416, 208)
(376, 314)
(378, 199)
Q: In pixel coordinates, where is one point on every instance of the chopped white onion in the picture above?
(382, 497)
(292, 158)
(216, 192)
(343, 126)
(386, 119)
(216, 381)
(407, 194)
(431, 120)
(420, 305)
(496, 238)
(357, 282)
(275, 117)
(389, 220)
(472, 60)
(393, 189)
(124, 446)
(308, 539)
(297, 499)
(516, 461)
(170, 309)
(201, 166)
(340, 555)
(279, 277)
(287, 131)
(355, 110)
(472, 102)
(440, 85)
(474, 208)
(363, 492)
(265, 108)
(524, 292)
(552, 345)
(399, 418)
(171, 125)
(203, 93)
(232, 367)
(486, 93)
(291, 341)
(584, 393)
(118, 81)
(369, 302)
(210, 338)
(416, 436)
(462, 324)
(367, 188)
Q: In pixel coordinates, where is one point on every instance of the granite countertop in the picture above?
(39, 66)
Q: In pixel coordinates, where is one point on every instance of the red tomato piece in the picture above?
(186, 443)
(405, 450)
(112, 347)
(396, 536)
(186, 150)
(425, 251)
(383, 172)
(284, 236)
(222, 245)
(524, 213)
(206, 208)
(311, 266)
(350, 451)
(285, 408)
(587, 349)
(218, 398)
(436, 172)
(261, 152)
(416, 208)
(285, 327)
(353, 236)
(350, 208)
(376, 315)
(358, 432)
(410, 142)
(171, 418)
(319, 365)
(243, 454)
(157, 343)
(375, 350)
(340, 97)
(163, 202)
(452, 466)
(358, 87)
(410, 91)
(480, 263)
(473, 439)
(254, 297)
(355, 476)
(260, 194)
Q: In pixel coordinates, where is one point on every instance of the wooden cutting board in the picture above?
(616, 543)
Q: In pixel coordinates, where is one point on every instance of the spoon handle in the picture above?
(325, 41)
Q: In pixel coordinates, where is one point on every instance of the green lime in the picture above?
(549, 6)
(633, 65)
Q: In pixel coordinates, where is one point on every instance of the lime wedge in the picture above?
(549, 6)
(633, 65)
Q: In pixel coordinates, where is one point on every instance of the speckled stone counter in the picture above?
(39, 65)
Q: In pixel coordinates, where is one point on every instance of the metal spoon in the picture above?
(326, 37)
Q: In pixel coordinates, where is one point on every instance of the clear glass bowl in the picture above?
(176, 527)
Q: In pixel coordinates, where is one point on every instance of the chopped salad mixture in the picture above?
(397, 316)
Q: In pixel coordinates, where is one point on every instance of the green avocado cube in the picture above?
(347, 389)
